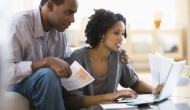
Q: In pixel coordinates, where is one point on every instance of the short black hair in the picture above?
(99, 23)
(57, 2)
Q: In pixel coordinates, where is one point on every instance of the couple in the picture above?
(37, 38)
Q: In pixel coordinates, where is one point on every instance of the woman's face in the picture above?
(114, 36)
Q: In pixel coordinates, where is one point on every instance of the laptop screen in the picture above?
(172, 79)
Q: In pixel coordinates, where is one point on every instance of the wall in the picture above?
(182, 12)
(188, 39)
(139, 13)
(182, 20)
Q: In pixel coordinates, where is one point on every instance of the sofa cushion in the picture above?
(15, 101)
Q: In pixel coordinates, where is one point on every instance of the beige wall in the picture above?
(182, 12)
(188, 40)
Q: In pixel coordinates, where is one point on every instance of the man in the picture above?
(40, 51)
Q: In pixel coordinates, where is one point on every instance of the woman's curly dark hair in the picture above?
(99, 23)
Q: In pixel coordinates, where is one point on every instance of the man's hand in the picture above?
(124, 57)
(61, 67)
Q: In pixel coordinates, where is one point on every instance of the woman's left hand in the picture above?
(124, 57)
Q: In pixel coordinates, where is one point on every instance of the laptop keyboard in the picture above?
(150, 98)
(142, 97)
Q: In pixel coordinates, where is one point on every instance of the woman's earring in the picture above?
(102, 40)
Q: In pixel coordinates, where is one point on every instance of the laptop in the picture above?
(167, 90)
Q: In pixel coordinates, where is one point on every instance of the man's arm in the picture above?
(23, 69)
(59, 66)
(18, 69)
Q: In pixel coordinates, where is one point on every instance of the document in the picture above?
(79, 78)
(183, 81)
(186, 72)
(116, 106)
(160, 67)
(184, 77)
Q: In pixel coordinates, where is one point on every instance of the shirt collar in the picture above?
(38, 29)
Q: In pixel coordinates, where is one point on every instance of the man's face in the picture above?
(62, 16)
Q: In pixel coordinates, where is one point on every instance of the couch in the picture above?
(15, 101)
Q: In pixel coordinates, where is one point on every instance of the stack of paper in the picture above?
(79, 78)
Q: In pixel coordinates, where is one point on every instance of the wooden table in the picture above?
(180, 98)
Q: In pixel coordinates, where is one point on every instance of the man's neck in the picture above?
(45, 23)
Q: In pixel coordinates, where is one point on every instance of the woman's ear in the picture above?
(103, 36)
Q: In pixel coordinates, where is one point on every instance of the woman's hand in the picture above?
(122, 93)
(91, 100)
(158, 89)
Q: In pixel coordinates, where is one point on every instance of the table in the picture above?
(180, 100)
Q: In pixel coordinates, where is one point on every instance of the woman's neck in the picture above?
(99, 53)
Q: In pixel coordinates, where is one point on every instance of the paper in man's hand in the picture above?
(79, 78)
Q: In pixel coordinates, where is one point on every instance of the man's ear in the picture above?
(50, 5)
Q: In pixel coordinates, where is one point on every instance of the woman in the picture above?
(105, 32)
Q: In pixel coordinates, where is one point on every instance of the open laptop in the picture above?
(168, 88)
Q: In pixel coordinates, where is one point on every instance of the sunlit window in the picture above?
(139, 13)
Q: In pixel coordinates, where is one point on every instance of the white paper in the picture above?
(186, 72)
(161, 56)
(184, 77)
(160, 67)
(79, 78)
(183, 81)
(116, 106)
